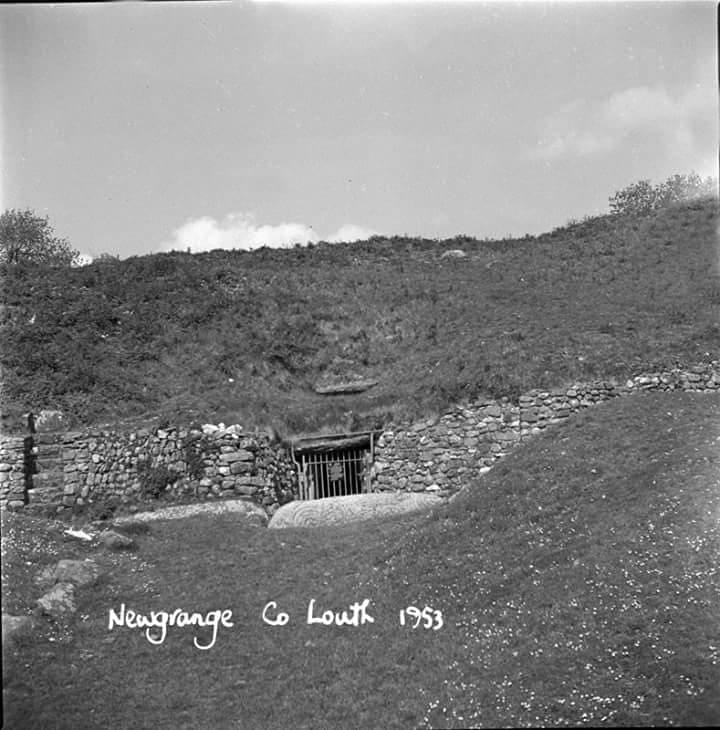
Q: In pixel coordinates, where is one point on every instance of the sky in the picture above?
(139, 128)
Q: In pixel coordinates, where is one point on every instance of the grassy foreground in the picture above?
(578, 582)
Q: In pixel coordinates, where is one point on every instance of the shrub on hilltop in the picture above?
(642, 197)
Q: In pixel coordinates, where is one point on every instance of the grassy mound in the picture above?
(578, 584)
(245, 336)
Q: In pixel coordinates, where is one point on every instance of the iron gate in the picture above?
(326, 469)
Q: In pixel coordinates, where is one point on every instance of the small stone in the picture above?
(115, 541)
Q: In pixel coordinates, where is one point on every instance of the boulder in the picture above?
(76, 572)
(353, 508)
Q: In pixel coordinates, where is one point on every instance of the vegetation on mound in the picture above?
(578, 582)
(244, 337)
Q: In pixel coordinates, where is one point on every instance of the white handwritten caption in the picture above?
(162, 619)
(357, 614)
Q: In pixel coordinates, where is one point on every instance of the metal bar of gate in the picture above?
(348, 472)
(318, 477)
(323, 475)
(313, 474)
(347, 476)
(343, 476)
(351, 470)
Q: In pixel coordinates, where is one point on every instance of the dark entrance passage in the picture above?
(334, 466)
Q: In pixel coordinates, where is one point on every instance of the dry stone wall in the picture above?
(13, 455)
(78, 468)
(63, 470)
(440, 455)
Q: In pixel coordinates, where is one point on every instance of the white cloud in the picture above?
(241, 231)
(680, 122)
(236, 231)
(350, 232)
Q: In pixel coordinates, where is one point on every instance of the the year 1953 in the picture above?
(430, 618)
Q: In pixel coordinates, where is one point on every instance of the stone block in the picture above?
(237, 455)
(251, 481)
(240, 467)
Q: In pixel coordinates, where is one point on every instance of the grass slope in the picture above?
(244, 336)
(578, 582)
